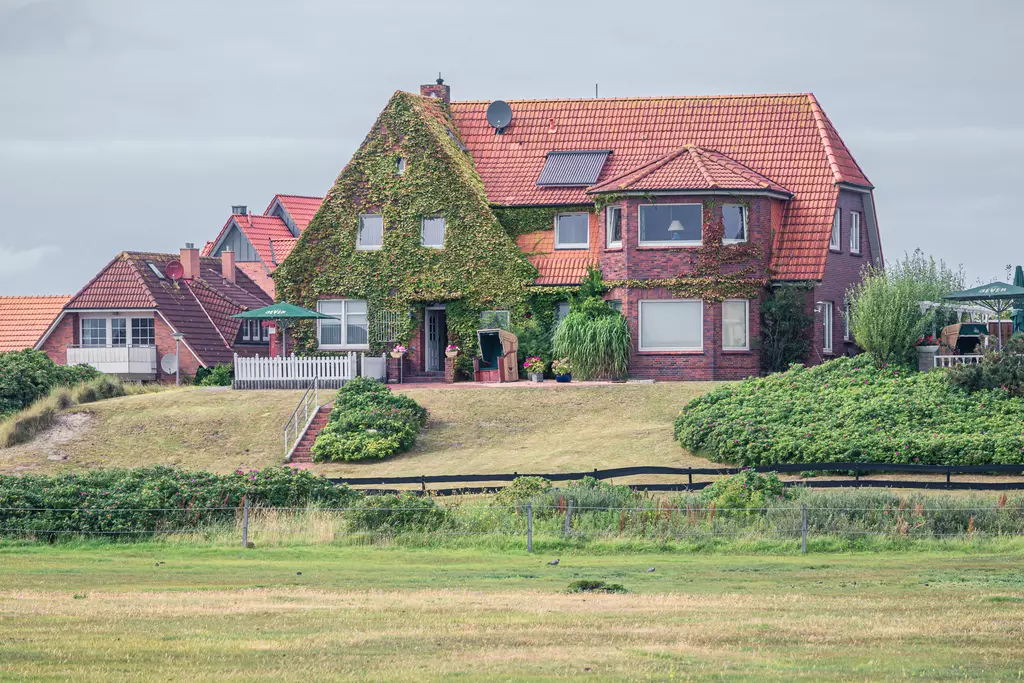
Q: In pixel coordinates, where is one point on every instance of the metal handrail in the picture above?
(307, 409)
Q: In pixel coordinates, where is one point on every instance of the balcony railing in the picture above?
(135, 362)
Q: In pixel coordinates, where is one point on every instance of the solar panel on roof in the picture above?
(579, 168)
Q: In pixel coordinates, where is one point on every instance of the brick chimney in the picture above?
(437, 89)
(227, 265)
(190, 261)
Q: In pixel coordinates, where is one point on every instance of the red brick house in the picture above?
(261, 242)
(692, 207)
(123, 321)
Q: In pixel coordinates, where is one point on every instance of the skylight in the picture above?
(156, 271)
(578, 168)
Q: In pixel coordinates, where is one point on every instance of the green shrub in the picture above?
(849, 410)
(785, 328)
(369, 422)
(745, 490)
(395, 513)
(25, 425)
(592, 586)
(217, 376)
(28, 375)
(885, 318)
(596, 340)
(522, 489)
(98, 389)
(1003, 369)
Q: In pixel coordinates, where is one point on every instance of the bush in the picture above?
(218, 376)
(28, 375)
(848, 410)
(395, 513)
(596, 340)
(522, 489)
(886, 318)
(591, 586)
(1003, 369)
(785, 327)
(369, 422)
(745, 491)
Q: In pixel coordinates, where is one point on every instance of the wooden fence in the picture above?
(294, 372)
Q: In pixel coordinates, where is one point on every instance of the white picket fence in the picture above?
(294, 372)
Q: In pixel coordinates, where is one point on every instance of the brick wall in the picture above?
(165, 345)
(64, 334)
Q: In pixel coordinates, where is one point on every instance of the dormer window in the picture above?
(400, 166)
(371, 232)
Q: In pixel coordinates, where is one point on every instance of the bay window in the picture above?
(672, 325)
(348, 329)
(736, 325)
(671, 224)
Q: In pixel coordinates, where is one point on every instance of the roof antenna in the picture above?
(440, 81)
(595, 91)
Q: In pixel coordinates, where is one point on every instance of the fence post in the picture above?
(803, 528)
(568, 517)
(245, 523)
(529, 527)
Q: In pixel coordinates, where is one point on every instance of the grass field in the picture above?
(161, 612)
(520, 428)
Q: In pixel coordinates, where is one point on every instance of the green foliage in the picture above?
(931, 280)
(592, 586)
(522, 489)
(480, 268)
(1003, 370)
(534, 339)
(886, 318)
(591, 286)
(218, 376)
(153, 498)
(395, 513)
(785, 328)
(747, 490)
(595, 338)
(522, 220)
(28, 375)
(849, 410)
(369, 422)
(26, 424)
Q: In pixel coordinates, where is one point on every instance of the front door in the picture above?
(437, 339)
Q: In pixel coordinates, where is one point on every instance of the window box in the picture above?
(671, 325)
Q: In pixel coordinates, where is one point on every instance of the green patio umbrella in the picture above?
(282, 313)
(998, 297)
(1018, 305)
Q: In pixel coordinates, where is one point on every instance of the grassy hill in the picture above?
(520, 428)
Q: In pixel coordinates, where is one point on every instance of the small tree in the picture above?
(785, 327)
(886, 318)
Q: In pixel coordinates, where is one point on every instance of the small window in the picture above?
(349, 328)
(94, 331)
(266, 332)
(671, 325)
(671, 224)
(614, 304)
(371, 231)
(432, 232)
(855, 232)
(143, 333)
(834, 243)
(561, 310)
(847, 336)
(734, 219)
(400, 166)
(826, 321)
(156, 271)
(494, 320)
(572, 231)
(736, 325)
(613, 225)
(118, 332)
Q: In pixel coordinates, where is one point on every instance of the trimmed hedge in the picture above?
(847, 410)
(369, 422)
(152, 498)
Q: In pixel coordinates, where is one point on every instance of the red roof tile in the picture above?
(786, 138)
(257, 272)
(24, 319)
(560, 270)
(301, 209)
(281, 248)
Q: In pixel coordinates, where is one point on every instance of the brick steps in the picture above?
(420, 377)
(303, 453)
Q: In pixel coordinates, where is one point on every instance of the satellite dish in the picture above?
(174, 269)
(169, 363)
(499, 115)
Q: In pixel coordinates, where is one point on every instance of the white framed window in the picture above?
(855, 232)
(561, 310)
(736, 325)
(94, 331)
(572, 231)
(118, 332)
(671, 325)
(348, 330)
(371, 231)
(613, 226)
(99, 330)
(847, 336)
(826, 322)
(400, 166)
(432, 232)
(671, 225)
(143, 332)
(835, 243)
(255, 331)
(734, 220)
(492, 320)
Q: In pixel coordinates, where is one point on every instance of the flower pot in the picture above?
(564, 379)
(451, 354)
(926, 357)
(537, 376)
(396, 354)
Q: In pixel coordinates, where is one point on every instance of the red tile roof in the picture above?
(281, 248)
(24, 319)
(200, 308)
(299, 207)
(786, 138)
(560, 270)
(690, 168)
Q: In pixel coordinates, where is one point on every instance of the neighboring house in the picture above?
(262, 242)
(123, 321)
(692, 207)
(25, 319)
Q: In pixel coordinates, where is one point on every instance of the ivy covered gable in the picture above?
(410, 167)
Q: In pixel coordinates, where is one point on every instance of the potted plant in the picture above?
(562, 369)
(451, 350)
(926, 347)
(398, 351)
(534, 366)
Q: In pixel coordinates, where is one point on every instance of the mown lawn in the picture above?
(502, 429)
(162, 612)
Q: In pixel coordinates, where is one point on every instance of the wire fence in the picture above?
(562, 522)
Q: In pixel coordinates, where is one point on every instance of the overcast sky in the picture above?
(131, 125)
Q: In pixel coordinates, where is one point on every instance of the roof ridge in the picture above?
(826, 140)
(642, 98)
(299, 196)
(142, 281)
(699, 163)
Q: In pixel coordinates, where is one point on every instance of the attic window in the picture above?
(567, 169)
(400, 166)
(156, 271)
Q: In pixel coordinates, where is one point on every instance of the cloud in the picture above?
(16, 262)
